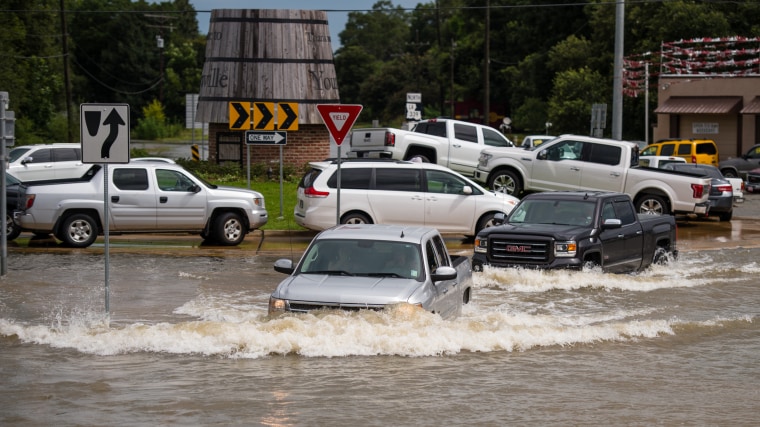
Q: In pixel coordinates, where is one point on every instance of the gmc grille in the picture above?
(533, 250)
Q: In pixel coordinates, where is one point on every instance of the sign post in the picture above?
(104, 132)
(339, 118)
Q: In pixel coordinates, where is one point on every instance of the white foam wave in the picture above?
(404, 332)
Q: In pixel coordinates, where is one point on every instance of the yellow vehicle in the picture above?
(703, 151)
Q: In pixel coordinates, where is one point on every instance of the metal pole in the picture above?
(281, 184)
(337, 208)
(3, 208)
(646, 103)
(106, 236)
(617, 90)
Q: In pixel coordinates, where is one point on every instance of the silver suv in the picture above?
(396, 192)
(46, 161)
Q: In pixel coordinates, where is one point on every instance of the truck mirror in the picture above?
(611, 223)
(541, 155)
(499, 218)
(284, 265)
(443, 273)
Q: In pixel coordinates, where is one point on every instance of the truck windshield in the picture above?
(561, 212)
(357, 257)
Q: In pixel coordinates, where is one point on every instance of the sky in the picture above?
(337, 10)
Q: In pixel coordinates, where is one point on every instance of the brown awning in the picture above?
(753, 107)
(700, 105)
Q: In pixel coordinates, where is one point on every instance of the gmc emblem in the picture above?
(518, 248)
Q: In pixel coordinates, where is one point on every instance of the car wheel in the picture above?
(419, 157)
(726, 216)
(729, 173)
(355, 218)
(506, 182)
(651, 204)
(229, 228)
(79, 231)
(12, 230)
(484, 222)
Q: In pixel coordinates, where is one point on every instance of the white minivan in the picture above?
(46, 161)
(396, 192)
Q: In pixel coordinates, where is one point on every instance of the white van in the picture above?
(46, 161)
(396, 192)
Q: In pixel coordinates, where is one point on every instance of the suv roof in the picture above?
(374, 232)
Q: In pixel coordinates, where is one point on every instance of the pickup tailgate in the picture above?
(373, 139)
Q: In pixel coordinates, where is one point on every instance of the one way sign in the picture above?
(253, 137)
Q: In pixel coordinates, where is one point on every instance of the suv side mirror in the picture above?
(541, 155)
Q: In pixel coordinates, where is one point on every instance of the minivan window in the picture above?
(67, 154)
(392, 179)
(308, 179)
(466, 132)
(353, 178)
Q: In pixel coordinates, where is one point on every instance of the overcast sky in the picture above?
(337, 10)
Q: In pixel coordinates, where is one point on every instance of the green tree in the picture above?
(573, 94)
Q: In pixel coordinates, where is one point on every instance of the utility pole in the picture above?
(66, 78)
(487, 68)
(617, 87)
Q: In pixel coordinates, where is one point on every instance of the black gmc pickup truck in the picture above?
(575, 230)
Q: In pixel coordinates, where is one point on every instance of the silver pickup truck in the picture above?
(373, 266)
(142, 197)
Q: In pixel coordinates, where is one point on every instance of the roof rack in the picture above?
(364, 160)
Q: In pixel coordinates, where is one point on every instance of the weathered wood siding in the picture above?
(267, 55)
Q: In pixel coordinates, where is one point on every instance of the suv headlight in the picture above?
(481, 245)
(565, 249)
(277, 306)
(484, 158)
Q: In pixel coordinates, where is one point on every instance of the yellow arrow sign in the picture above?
(287, 116)
(263, 115)
(240, 116)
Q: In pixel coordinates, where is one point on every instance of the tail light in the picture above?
(698, 191)
(390, 139)
(694, 159)
(725, 187)
(312, 192)
(29, 202)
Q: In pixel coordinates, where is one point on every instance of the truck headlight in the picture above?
(277, 305)
(484, 158)
(565, 249)
(259, 201)
(481, 245)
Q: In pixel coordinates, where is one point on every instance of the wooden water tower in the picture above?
(268, 55)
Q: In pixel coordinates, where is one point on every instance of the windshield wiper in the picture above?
(384, 275)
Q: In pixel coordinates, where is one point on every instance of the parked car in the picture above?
(396, 192)
(753, 181)
(46, 161)
(532, 141)
(703, 151)
(738, 167)
(372, 266)
(721, 190)
(11, 201)
(659, 161)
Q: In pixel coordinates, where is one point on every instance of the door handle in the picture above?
(115, 199)
(163, 199)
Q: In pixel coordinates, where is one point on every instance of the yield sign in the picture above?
(339, 118)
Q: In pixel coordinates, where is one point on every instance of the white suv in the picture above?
(46, 161)
(396, 192)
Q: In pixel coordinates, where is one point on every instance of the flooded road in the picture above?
(188, 341)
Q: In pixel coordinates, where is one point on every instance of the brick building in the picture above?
(724, 109)
(270, 56)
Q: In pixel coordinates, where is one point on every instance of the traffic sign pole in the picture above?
(339, 119)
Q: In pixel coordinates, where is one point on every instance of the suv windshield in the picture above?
(17, 153)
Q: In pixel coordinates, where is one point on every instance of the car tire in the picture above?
(12, 230)
(229, 229)
(484, 222)
(651, 204)
(355, 218)
(505, 181)
(78, 231)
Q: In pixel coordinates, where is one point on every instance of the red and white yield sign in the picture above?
(339, 118)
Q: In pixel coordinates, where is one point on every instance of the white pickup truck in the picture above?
(572, 162)
(143, 197)
(451, 143)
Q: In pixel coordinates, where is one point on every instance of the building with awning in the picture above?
(725, 109)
